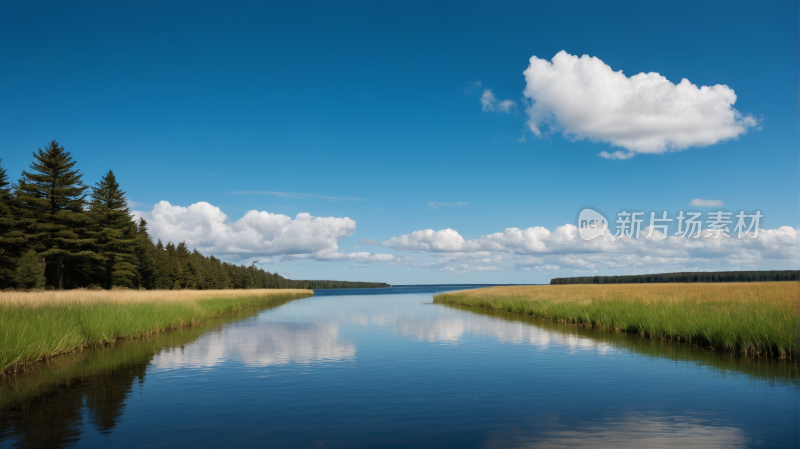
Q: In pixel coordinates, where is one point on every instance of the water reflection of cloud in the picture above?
(630, 432)
(453, 329)
(264, 345)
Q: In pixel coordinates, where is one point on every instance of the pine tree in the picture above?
(187, 270)
(53, 193)
(52, 185)
(113, 231)
(30, 271)
(161, 278)
(145, 255)
(5, 185)
(12, 239)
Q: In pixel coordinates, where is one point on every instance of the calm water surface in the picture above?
(392, 370)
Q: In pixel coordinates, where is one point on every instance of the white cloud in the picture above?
(469, 267)
(437, 205)
(471, 85)
(538, 249)
(646, 113)
(359, 256)
(541, 268)
(697, 202)
(208, 229)
(619, 155)
(490, 103)
(258, 233)
(428, 240)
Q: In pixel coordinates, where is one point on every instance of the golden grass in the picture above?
(83, 296)
(782, 294)
(39, 325)
(753, 317)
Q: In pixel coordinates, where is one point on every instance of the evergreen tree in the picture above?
(55, 196)
(185, 273)
(5, 185)
(30, 272)
(161, 278)
(12, 239)
(144, 250)
(114, 232)
(52, 185)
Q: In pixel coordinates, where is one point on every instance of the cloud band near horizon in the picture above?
(260, 234)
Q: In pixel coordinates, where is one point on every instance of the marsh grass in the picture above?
(748, 318)
(61, 375)
(39, 325)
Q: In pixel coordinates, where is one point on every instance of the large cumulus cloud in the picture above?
(257, 233)
(646, 113)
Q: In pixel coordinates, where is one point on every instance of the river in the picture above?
(386, 368)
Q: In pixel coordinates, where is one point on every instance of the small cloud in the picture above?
(403, 260)
(697, 202)
(358, 257)
(359, 266)
(541, 268)
(362, 242)
(490, 103)
(522, 139)
(438, 205)
(469, 267)
(619, 155)
(287, 274)
(471, 85)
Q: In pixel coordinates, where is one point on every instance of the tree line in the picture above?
(708, 276)
(58, 233)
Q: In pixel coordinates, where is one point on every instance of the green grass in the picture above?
(29, 333)
(755, 319)
(94, 368)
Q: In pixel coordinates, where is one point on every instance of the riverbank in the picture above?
(39, 325)
(746, 318)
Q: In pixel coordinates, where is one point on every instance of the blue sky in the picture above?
(372, 111)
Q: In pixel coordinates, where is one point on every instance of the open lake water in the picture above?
(385, 368)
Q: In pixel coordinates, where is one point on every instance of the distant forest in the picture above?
(710, 276)
(57, 233)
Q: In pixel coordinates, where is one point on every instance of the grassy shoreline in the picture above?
(39, 325)
(22, 392)
(745, 318)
